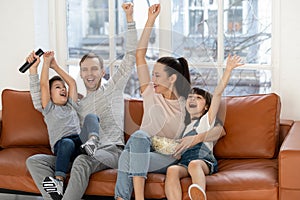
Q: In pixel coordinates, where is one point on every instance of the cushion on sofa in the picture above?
(252, 126)
(22, 125)
(133, 115)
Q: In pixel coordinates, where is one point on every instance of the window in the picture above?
(88, 28)
(203, 31)
(215, 30)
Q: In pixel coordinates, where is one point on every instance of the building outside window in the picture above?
(205, 32)
(215, 30)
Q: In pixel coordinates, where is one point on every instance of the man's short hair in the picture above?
(91, 55)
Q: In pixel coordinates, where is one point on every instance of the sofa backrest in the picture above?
(251, 124)
(22, 125)
(133, 115)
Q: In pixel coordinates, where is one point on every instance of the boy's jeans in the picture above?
(68, 148)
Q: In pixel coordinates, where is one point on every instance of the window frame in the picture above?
(58, 41)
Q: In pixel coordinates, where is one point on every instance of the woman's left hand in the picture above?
(185, 143)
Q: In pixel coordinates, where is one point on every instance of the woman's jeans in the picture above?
(68, 148)
(138, 159)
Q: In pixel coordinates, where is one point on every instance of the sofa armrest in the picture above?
(288, 164)
(0, 122)
(285, 126)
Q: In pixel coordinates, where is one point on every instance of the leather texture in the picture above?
(249, 165)
(22, 125)
(289, 160)
(251, 125)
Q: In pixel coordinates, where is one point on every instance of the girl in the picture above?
(197, 159)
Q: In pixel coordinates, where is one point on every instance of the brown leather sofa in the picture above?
(258, 158)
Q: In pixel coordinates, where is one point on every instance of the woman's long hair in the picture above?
(178, 66)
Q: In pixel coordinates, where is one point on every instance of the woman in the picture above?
(164, 114)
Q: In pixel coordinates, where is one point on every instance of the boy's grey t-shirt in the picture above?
(108, 101)
(61, 121)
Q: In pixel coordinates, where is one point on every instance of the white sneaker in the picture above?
(53, 187)
(90, 146)
(196, 192)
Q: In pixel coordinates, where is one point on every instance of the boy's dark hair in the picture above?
(55, 78)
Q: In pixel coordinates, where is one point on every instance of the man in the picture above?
(107, 102)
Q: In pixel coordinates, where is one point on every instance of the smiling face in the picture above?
(58, 92)
(162, 82)
(91, 73)
(196, 105)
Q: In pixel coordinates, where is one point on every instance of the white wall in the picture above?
(18, 38)
(289, 59)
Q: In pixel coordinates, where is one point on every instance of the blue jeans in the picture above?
(68, 148)
(137, 159)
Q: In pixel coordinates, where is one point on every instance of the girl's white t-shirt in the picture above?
(202, 127)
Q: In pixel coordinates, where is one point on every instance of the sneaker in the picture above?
(53, 187)
(196, 192)
(90, 146)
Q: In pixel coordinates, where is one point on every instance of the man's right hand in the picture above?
(128, 9)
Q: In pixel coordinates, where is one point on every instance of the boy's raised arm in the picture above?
(44, 82)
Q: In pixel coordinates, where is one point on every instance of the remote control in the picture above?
(27, 65)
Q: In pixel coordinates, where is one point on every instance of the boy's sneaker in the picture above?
(196, 192)
(53, 187)
(90, 146)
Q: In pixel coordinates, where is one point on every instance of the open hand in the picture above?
(233, 62)
(185, 143)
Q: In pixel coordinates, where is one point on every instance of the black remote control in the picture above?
(27, 65)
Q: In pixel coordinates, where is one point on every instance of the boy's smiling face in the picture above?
(59, 93)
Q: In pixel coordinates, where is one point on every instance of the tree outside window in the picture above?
(203, 31)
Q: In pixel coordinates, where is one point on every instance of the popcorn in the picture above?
(164, 145)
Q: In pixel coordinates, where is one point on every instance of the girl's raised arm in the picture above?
(232, 62)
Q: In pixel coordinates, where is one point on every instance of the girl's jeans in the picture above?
(136, 160)
(68, 148)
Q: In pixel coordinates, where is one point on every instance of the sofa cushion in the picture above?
(252, 126)
(241, 179)
(13, 172)
(133, 115)
(106, 181)
(22, 125)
